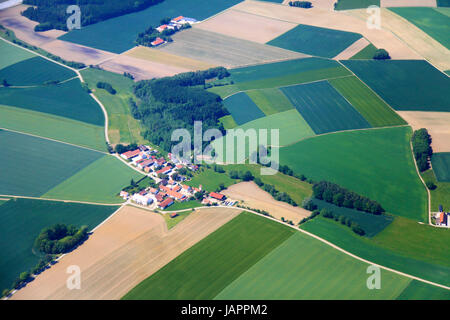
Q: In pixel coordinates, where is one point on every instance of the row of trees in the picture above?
(60, 238)
(120, 148)
(356, 228)
(341, 197)
(421, 142)
(176, 102)
(51, 14)
(106, 86)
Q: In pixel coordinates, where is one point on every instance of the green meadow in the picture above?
(366, 53)
(441, 166)
(376, 163)
(355, 4)
(270, 100)
(210, 180)
(439, 196)
(10, 54)
(242, 108)
(21, 221)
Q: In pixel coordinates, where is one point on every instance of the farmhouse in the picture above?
(217, 196)
(125, 195)
(164, 170)
(166, 203)
(145, 163)
(130, 154)
(173, 215)
(157, 42)
(142, 199)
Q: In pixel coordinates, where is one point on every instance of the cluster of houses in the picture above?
(175, 24)
(168, 190)
(443, 218)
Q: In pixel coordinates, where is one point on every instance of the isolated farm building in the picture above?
(142, 199)
(173, 215)
(157, 42)
(217, 196)
(166, 203)
(130, 154)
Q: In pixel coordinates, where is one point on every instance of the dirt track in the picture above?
(407, 3)
(256, 198)
(125, 250)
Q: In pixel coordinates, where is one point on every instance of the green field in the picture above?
(228, 122)
(270, 100)
(118, 34)
(122, 127)
(53, 127)
(35, 71)
(305, 268)
(278, 74)
(242, 108)
(67, 100)
(441, 166)
(31, 166)
(22, 220)
(210, 180)
(183, 205)
(10, 54)
(172, 222)
(417, 290)
(368, 104)
(370, 223)
(366, 53)
(440, 195)
(413, 85)
(376, 163)
(315, 41)
(355, 4)
(429, 20)
(292, 127)
(368, 249)
(100, 181)
(323, 108)
(205, 269)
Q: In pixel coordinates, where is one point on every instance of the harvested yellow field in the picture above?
(126, 249)
(158, 56)
(139, 68)
(407, 3)
(246, 26)
(339, 20)
(437, 124)
(254, 197)
(353, 49)
(416, 39)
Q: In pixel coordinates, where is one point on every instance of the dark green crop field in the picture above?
(21, 221)
(413, 85)
(35, 71)
(66, 100)
(324, 108)
(242, 108)
(315, 41)
(441, 166)
(31, 166)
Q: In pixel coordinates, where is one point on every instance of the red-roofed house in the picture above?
(159, 197)
(130, 154)
(145, 163)
(162, 28)
(176, 188)
(217, 196)
(164, 170)
(157, 42)
(177, 19)
(166, 203)
(176, 195)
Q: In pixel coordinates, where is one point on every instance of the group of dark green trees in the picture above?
(176, 102)
(341, 197)
(51, 14)
(60, 238)
(150, 34)
(300, 4)
(106, 86)
(421, 142)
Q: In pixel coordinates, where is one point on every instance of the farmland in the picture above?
(21, 222)
(311, 270)
(431, 21)
(38, 164)
(323, 108)
(67, 100)
(405, 84)
(356, 4)
(228, 122)
(242, 108)
(371, 224)
(209, 180)
(53, 127)
(315, 41)
(100, 181)
(126, 249)
(366, 53)
(375, 163)
(417, 290)
(439, 196)
(118, 34)
(270, 100)
(207, 268)
(368, 104)
(367, 248)
(219, 49)
(285, 73)
(12, 54)
(35, 71)
(441, 166)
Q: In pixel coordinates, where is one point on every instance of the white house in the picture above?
(143, 200)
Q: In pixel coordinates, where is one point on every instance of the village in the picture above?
(175, 24)
(168, 175)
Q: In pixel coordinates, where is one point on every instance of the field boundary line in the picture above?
(105, 113)
(60, 200)
(54, 140)
(337, 247)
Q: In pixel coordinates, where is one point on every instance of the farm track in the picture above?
(59, 200)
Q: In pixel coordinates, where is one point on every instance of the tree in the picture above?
(5, 83)
(247, 176)
(381, 54)
(431, 185)
(199, 195)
